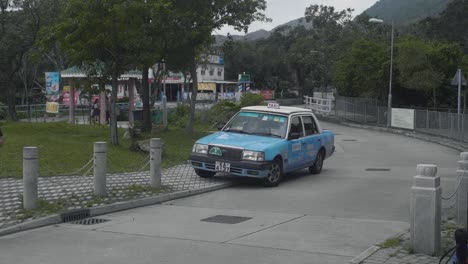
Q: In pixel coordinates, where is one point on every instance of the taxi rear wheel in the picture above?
(275, 174)
(205, 173)
(317, 167)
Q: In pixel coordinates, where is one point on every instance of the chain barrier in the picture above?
(135, 174)
(77, 175)
(457, 188)
(134, 167)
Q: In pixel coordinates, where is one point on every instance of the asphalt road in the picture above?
(326, 218)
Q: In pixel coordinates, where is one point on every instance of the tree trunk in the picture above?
(11, 102)
(145, 99)
(158, 79)
(113, 116)
(193, 98)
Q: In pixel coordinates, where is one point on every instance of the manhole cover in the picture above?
(226, 219)
(349, 140)
(89, 221)
(377, 169)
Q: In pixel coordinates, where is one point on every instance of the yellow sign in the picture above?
(207, 87)
(52, 107)
(66, 89)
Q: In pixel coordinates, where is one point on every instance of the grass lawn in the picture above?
(64, 148)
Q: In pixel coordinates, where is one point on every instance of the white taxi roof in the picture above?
(287, 110)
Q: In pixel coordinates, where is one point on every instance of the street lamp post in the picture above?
(389, 107)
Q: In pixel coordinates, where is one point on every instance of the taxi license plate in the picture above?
(222, 166)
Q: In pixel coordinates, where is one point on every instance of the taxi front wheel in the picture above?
(204, 173)
(275, 174)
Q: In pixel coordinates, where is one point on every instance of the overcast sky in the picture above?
(282, 11)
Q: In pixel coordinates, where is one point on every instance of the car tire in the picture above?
(205, 173)
(318, 165)
(275, 174)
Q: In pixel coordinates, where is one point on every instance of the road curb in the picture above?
(373, 249)
(111, 208)
(426, 137)
(364, 255)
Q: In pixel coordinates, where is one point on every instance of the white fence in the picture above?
(318, 105)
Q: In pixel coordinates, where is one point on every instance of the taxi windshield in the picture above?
(262, 124)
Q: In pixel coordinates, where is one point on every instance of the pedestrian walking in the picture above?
(96, 111)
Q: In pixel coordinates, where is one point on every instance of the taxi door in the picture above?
(296, 145)
(313, 140)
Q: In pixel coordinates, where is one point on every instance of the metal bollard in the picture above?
(100, 168)
(155, 162)
(462, 193)
(30, 174)
(425, 210)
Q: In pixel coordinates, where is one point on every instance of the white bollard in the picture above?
(100, 168)
(155, 162)
(30, 174)
(462, 193)
(425, 210)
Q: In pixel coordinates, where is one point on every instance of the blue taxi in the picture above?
(264, 142)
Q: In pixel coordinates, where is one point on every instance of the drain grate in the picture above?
(90, 221)
(378, 169)
(75, 215)
(349, 140)
(226, 219)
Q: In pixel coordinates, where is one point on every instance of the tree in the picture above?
(105, 32)
(20, 23)
(193, 22)
(426, 65)
(363, 72)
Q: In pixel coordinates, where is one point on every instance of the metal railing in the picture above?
(319, 105)
(372, 112)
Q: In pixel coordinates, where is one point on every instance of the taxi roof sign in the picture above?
(273, 105)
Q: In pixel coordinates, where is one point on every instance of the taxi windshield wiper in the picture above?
(237, 131)
(267, 134)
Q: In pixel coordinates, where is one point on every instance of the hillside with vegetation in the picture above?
(352, 56)
(405, 12)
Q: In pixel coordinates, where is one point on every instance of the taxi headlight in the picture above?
(200, 148)
(253, 155)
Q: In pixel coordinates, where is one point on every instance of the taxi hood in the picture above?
(245, 141)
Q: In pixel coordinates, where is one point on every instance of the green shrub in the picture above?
(220, 113)
(179, 117)
(250, 99)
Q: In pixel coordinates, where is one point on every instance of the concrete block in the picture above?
(425, 207)
(100, 168)
(462, 193)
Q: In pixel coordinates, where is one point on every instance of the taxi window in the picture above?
(296, 126)
(309, 125)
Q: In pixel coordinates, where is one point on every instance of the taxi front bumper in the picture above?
(254, 169)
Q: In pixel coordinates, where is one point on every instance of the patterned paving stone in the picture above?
(78, 190)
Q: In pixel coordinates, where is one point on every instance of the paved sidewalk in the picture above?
(74, 192)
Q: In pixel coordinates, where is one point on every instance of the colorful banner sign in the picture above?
(52, 107)
(267, 94)
(52, 83)
(66, 98)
